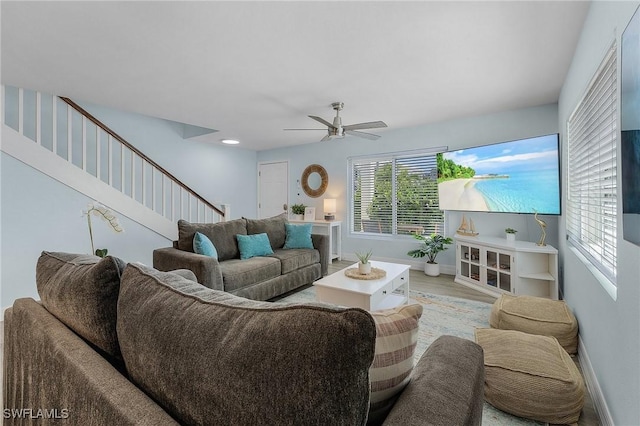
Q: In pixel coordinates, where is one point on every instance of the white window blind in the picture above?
(395, 194)
(592, 133)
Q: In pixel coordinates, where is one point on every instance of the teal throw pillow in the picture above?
(203, 245)
(253, 245)
(298, 236)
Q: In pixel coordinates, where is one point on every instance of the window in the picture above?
(395, 194)
(592, 133)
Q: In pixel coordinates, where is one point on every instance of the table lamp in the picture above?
(329, 209)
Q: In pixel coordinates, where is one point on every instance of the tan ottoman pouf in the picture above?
(530, 376)
(537, 315)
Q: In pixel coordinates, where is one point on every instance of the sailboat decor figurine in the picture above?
(468, 229)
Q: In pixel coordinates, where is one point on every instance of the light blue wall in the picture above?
(39, 213)
(221, 174)
(460, 133)
(609, 329)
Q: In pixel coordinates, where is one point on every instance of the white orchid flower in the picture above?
(107, 215)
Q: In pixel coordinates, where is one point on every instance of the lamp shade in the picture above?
(329, 209)
(330, 205)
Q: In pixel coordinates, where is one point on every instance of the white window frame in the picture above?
(593, 133)
(392, 157)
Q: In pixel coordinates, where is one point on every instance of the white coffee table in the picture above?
(371, 295)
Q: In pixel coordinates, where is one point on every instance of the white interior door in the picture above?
(273, 188)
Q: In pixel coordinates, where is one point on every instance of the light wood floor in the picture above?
(444, 285)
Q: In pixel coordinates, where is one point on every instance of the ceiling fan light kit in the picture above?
(337, 130)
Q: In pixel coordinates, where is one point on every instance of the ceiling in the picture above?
(251, 69)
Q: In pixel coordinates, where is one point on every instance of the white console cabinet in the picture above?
(495, 266)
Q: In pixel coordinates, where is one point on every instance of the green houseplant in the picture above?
(364, 267)
(511, 234)
(298, 210)
(432, 245)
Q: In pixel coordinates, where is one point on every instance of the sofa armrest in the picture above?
(206, 269)
(321, 243)
(446, 388)
(47, 367)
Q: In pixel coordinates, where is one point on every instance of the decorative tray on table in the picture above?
(376, 273)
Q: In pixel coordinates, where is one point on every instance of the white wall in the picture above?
(460, 133)
(609, 329)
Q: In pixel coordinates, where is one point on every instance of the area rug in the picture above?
(444, 315)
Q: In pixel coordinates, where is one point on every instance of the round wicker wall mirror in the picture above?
(314, 180)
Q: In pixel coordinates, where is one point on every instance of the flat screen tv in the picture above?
(521, 176)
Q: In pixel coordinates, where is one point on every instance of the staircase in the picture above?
(60, 139)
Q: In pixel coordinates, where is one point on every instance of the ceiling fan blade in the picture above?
(369, 125)
(364, 135)
(324, 130)
(323, 121)
(326, 138)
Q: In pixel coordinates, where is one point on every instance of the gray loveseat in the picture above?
(129, 345)
(257, 278)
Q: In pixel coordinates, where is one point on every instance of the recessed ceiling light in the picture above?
(230, 141)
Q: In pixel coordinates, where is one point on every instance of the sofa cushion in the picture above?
(273, 227)
(253, 245)
(291, 260)
(221, 234)
(82, 292)
(203, 245)
(396, 340)
(238, 273)
(209, 357)
(298, 236)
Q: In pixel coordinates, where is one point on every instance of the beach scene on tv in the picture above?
(510, 177)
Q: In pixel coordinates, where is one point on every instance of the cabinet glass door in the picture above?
(469, 262)
(498, 269)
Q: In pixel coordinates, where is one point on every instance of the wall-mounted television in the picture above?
(521, 176)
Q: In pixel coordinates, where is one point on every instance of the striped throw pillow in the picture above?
(396, 339)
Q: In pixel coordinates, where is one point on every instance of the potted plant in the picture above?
(97, 209)
(432, 245)
(511, 234)
(298, 211)
(364, 267)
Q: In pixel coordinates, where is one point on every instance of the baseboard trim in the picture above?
(593, 387)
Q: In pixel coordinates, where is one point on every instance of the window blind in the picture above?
(592, 132)
(395, 194)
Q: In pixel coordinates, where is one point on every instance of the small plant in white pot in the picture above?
(364, 266)
(432, 245)
(298, 211)
(511, 234)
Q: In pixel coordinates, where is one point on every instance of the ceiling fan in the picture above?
(337, 130)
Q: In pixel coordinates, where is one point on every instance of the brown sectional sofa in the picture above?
(126, 344)
(258, 278)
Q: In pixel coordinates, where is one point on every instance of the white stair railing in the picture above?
(71, 134)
